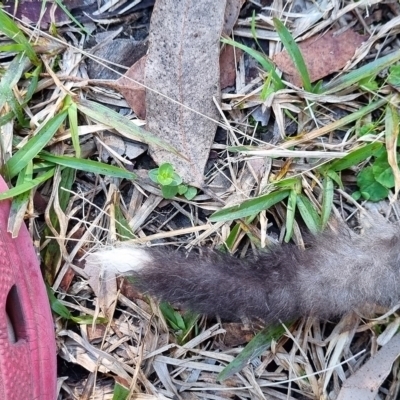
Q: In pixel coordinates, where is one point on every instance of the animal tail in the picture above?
(339, 271)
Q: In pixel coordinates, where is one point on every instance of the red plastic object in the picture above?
(27, 340)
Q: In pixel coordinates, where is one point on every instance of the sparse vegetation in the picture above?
(324, 149)
(171, 183)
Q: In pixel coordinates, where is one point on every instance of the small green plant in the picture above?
(170, 182)
(181, 324)
(375, 181)
(394, 75)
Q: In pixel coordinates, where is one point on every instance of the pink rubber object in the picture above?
(27, 340)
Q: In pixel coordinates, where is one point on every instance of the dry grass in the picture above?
(134, 345)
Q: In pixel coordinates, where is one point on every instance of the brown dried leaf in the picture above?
(227, 65)
(323, 55)
(30, 11)
(365, 383)
(104, 286)
(128, 290)
(67, 279)
(130, 85)
(237, 334)
(183, 68)
(95, 332)
(121, 147)
(134, 93)
(118, 51)
(232, 11)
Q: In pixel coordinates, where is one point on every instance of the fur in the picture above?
(338, 272)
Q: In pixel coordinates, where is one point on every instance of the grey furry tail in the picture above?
(339, 271)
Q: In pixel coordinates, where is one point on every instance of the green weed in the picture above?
(170, 182)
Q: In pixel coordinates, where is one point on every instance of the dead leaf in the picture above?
(392, 136)
(232, 11)
(237, 334)
(227, 65)
(122, 382)
(365, 383)
(134, 93)
(183, 68)
(128, 290)
(323, 55)
(125, 52)
(31, 11)
(122, 147)
(67, 279)
(96, 332)
(104, 286)
(131, 84)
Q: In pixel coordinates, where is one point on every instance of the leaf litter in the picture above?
(177, 68)
(137, 347)
(323, 55)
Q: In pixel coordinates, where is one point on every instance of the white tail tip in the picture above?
(122, 259)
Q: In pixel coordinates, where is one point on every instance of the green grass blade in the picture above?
(235, 232)
(327, 201)
(120, 392)
(122, 226)
(309, 214)
(73, 126)
(12, 48)
(61, 310)
(94, 167)
(267, 88)
(173, 318)
(33, 83)
(290, 212)
(67, 180)
(11, 77)
(370, 69)
(354, 158)
(294, 52)
(51, 253)
(261, 59)
(233, 235)
(19, 203)
(253, 28)
(71, 17)
(11, 30)
(41, 166)
(122, 124)
(190, 320)
(250, 207)
(18, 111)
(24, 155)
(56, 305)
(261, 342)
(26, 186)
(6, 118)
(287, 183)
(336, 178)
(391, 139)
(348, 119)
